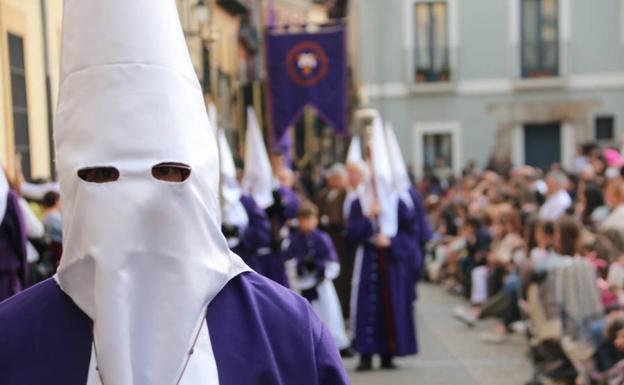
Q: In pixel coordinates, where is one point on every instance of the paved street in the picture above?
(451, 354)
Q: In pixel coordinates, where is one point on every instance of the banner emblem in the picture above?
(307, 64)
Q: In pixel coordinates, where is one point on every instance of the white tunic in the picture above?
(201, 368)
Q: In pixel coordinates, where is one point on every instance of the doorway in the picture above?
(542, 144)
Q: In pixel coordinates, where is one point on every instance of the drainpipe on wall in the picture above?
(46, 58)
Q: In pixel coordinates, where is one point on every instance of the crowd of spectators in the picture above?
(542, 252)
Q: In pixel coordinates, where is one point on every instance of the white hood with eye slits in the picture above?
(142, 257)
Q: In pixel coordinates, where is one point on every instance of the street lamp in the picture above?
(202, 12)
(197, 17)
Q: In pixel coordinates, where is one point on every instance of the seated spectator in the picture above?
(558, 200)
(615, 200)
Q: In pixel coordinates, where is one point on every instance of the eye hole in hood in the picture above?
(99, 174)
(171, 172)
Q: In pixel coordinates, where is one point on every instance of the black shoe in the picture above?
(346, 353)
(388, 363)
(366, 364)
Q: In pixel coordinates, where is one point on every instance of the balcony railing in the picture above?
(431, 64)
(540, 59)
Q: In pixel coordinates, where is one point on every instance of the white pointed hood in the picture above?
(364, 190)
(4, 194)
(402, 183)
(234, 213)
(142, 257)
(213, 117)
(381, 172)
(258, 175)
(354, 154)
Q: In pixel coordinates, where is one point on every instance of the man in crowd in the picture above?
(330, 202)
(558, 200)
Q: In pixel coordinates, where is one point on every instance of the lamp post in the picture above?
(197, 22)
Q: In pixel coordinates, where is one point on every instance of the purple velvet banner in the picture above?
(307, 69)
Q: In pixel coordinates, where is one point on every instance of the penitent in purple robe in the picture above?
(13, 262)
(317, 245)
(419, 227)
(261, 333)
(290, 203)
(285, 207)
(255, 239)
(384, 282)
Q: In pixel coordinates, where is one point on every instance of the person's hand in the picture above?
(382, 241)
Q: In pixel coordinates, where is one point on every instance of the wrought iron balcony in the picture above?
(431, 64)
(540, 59)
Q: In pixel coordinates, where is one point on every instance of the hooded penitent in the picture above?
(234, 213)
(258, 175)
(354, 154)
(402, 182)
(142, 257)
(363, 192)
(382, 180)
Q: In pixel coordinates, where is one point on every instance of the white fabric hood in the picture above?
(258, 176)
(233, 210)
(142, 257)
(402, 182)
(354, 154)
(213, 117)
(382, 178)
(4, 194)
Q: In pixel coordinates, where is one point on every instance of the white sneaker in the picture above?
(519, 327)
(464, 315)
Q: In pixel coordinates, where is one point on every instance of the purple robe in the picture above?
(419, 227)
(384, 314)
(290, 203)
(286, 204)
(316, 246)
(260, 332)
(13, 262)
(256, 237)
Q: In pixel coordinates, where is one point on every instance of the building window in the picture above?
(431, 50)
(604, 127)
(19, 101)
(437, 149)
(540, 38)
(438, 154)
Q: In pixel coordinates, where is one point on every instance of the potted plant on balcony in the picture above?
(421, 74)
(444, 75)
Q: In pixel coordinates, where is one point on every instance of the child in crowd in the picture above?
(313, 254)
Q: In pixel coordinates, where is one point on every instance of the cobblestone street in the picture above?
(451, 354)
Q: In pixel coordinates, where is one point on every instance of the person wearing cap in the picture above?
(147, 291)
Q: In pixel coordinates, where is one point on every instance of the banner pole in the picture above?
(264, 118)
